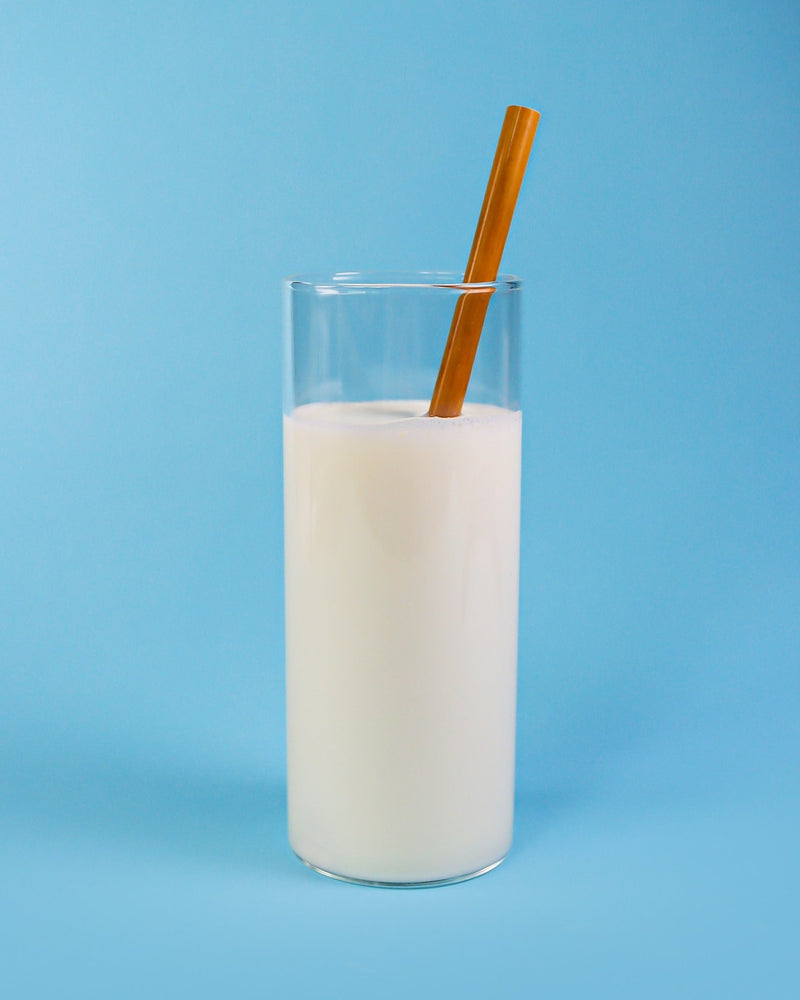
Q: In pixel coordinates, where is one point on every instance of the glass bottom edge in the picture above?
(378, 884)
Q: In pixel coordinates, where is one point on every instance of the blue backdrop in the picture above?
(163, 166)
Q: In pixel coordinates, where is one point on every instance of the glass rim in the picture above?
(338, 281)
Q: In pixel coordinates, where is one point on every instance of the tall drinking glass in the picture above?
(402, 571)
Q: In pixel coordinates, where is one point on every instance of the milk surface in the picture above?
(402, 555)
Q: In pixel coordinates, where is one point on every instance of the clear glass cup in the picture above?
(402, 579)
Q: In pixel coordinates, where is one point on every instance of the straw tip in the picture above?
(524, 110)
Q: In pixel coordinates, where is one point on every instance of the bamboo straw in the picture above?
(505, 180)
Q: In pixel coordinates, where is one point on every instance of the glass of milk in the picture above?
(402, 572)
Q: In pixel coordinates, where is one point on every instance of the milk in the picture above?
(402, 554)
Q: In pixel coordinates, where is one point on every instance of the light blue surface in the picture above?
(164, 165)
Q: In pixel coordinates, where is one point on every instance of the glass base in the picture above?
(401, 885)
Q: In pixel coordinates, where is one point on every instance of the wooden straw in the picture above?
(505, 180)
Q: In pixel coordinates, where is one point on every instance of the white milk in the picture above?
(402, 555)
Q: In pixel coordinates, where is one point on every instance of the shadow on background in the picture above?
(219, 819)
(537, 812)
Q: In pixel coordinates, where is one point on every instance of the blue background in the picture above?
(163, 166)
